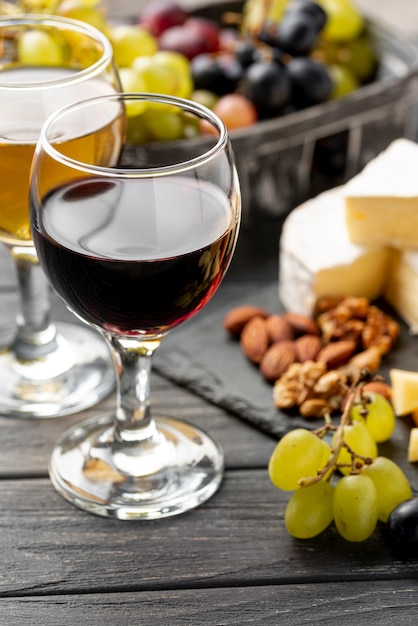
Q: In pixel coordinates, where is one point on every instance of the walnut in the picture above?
(380, 330)
(296, 384)
(330, 383)
(355, 319)
(311, 388)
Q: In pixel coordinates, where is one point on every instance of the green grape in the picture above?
(361, 58)
(157, 78)
(172, 59)
(355, 507)
(191, 126)
(88, 3)
(136, 130)
(84, 12)
(380, 418)
(39, 48)
(391, 484)
(207, 98)
(344, 20)
(299, 454)
(130, 42)
(360, 440)
(163, 124)
(343, 80)
(310, 510)
(132, 82)
(39, 6)
(179, 67)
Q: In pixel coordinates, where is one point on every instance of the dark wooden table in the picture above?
(229, 562)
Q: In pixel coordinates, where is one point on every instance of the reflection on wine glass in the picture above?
(161, 230)
(45, 62)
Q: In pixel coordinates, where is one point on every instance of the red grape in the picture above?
(159, 15)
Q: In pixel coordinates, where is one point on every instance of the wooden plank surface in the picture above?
(244, 446)
(236, 539)
(379, 603)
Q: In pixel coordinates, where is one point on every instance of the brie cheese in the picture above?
(382, 200)
(318, 259)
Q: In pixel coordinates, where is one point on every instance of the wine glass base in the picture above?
(83, 471)
(77, 375)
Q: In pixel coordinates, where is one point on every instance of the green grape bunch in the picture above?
(335, 473)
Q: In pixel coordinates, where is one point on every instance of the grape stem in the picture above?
(332, 465)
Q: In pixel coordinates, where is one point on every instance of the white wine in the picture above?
(22, 113)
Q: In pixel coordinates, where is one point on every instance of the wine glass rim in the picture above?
(137, 172)
(71, 24)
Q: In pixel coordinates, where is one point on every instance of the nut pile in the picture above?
(311, 361)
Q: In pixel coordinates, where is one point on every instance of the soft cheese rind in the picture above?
(318, 259)
(382, 200)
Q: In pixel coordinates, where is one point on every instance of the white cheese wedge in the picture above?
(382, 200)
(401, 289)
(404, 385)
(318, 259)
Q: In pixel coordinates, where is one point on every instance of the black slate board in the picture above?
(202, 357)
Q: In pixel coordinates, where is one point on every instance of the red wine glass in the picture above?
(134, 250)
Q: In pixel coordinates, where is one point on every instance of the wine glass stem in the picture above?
(36, 336)
(133, 367)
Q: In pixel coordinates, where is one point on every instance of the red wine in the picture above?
(135, 256)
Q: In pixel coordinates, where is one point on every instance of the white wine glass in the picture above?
(46, 369)
(162, 229)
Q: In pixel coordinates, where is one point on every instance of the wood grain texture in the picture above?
(236, 539)
(243, 445)
(380, 603)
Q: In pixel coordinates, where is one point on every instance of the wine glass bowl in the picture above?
(135, 249)
(48, 369)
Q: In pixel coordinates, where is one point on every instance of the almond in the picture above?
(302, 324)
(314, 407)
(378, 386)
(255, 339)
(336, 353)
(237, 318)
(277, 360)
(308, 347)
(279, 328)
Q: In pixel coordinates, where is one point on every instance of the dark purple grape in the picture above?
(310, 82)
(267, 85)
(204, 71)
(312, 9)
(296, 34)
(403, 524)
(219, 74)
(245, 53)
